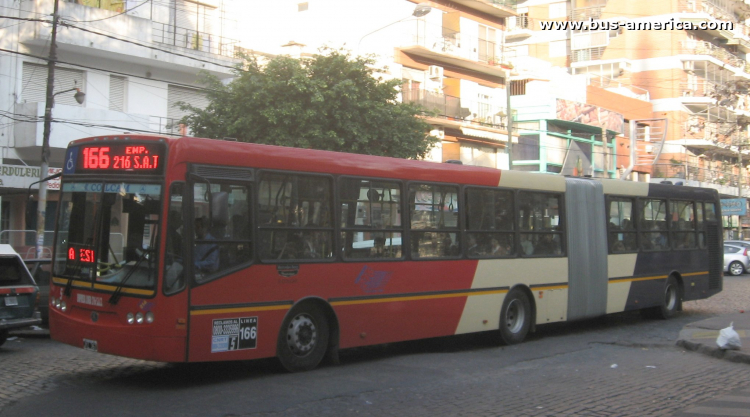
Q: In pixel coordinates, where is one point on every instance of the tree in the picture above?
(330, 101)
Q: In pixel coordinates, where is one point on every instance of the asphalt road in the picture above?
(620, 365)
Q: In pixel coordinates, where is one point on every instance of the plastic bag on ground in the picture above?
(728, 338)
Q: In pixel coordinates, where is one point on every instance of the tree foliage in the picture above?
(330, 101)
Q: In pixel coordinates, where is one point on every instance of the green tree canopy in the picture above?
(330, 101)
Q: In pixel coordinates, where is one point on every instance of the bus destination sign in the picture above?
(115, 157)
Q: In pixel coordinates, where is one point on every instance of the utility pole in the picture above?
(41, 209)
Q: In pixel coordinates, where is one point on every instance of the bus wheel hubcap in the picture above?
(301, 335)
(514, 316)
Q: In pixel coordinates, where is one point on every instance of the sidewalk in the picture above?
(701, 337)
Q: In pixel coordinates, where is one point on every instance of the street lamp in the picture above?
(419, 11)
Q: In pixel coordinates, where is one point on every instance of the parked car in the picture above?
(743, 243)
(736, 260)
(41, 271)
(18, 293)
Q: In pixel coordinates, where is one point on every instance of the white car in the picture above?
(736, 260)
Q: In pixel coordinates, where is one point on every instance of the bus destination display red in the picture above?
(81, 254)
(120, 157)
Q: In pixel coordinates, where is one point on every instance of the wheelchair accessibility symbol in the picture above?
(70, 161)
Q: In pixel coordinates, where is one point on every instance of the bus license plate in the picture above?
(89, 344)
(11, 301)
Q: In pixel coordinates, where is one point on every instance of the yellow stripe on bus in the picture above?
(239, 310)
(417, 297)
(634, 279)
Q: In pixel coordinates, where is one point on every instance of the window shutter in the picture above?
(35, 84)
(191, 96)
(116, 93)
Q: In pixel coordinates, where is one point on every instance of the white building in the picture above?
(132, 59)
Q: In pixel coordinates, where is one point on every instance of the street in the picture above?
(620, 365)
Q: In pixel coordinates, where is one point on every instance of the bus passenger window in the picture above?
(371, 224)
(621, 228)
(652, 224)
(296, 219)
(434, 213)
(541, 224)
(490, 221)
(223, 238)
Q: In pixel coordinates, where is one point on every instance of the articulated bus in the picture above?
(195, 250)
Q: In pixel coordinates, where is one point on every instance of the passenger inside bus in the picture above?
(205, 255)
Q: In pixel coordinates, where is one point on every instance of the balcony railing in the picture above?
(589, 54)
(456, 108)
(699, 88)
(696, 173)
(587, 13)
(618, 87)
(707, 48)
(720, 9)
(193, 39)
(457, 44)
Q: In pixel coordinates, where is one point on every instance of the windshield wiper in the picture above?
(115, 298)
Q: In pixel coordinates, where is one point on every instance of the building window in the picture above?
(557, 10)
(558, 48)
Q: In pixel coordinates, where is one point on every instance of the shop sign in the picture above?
(20, 176)
(734, 207)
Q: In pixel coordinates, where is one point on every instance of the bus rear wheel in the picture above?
(303, 339)
(515, 317)
(671, 301)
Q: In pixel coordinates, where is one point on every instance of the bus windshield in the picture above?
(108, 233)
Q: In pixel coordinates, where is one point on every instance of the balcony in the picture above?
(141, 34)
(615, 86)
(440, 46)
(587, 13)
(719, 9)
(709, 49)
(724, 180)
(523, 28)
(192, 39)
(497, 8)
(457, 112)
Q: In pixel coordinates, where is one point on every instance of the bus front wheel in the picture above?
(303, 339)
(515, 317)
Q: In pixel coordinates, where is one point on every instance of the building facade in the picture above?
(133, 60)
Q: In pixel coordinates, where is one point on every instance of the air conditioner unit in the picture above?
(435, 72)
(649, 148)
(438, 133)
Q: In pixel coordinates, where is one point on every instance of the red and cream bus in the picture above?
(193, 250)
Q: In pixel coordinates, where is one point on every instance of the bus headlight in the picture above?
(149, 317)
(139, 318)
(130, 318)
(63, 306)
(57, 302)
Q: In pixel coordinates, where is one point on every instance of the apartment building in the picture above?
(132, 59)
(448, 55)
(686, 57)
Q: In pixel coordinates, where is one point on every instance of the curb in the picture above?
(730, 355)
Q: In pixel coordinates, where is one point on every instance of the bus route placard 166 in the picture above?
(234, 334)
